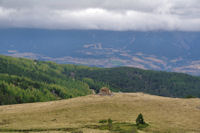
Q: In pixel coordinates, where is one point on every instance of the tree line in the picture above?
(25, 80)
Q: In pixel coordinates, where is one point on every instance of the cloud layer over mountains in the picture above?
(143, 15)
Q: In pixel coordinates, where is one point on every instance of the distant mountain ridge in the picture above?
(156, 50)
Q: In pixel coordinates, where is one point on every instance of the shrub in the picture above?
(140, 122)
(140, 119)
(190, 96)
(103, 121)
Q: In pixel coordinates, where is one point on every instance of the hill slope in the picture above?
(24, 80)
(164, 115)
(127, 79)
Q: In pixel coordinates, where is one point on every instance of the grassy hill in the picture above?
(164, 115)
(24, 81)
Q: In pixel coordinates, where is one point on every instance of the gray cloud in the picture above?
(143, 15)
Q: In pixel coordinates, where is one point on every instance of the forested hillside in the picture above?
(24, 80)
(127, 79)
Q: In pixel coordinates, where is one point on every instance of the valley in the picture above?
(99, 66)
(153, 50)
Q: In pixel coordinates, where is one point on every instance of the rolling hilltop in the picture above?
(164, 115)
(24, 80)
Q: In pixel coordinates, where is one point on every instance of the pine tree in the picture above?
(140, 119)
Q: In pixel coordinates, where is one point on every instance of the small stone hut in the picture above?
(105, 92)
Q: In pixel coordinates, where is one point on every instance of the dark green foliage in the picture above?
(14, 89)
(24, 80)
(140, 122)
(126, 79)
(110, 121)
(140, 119)
(95, 85)
(190, 96)
(103, 121)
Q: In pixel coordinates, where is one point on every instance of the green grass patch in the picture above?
(141, 126)
(118, 127)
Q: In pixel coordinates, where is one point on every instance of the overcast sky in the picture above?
(182, 15)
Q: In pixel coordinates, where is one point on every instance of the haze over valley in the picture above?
(154, 50)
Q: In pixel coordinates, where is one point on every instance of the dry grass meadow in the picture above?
(165, 115)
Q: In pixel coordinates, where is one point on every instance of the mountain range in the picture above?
(173, 51)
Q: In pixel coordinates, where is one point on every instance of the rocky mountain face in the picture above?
(155, 50)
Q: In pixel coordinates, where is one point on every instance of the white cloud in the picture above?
(181, 15)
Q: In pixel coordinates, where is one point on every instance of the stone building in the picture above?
(105, 91)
